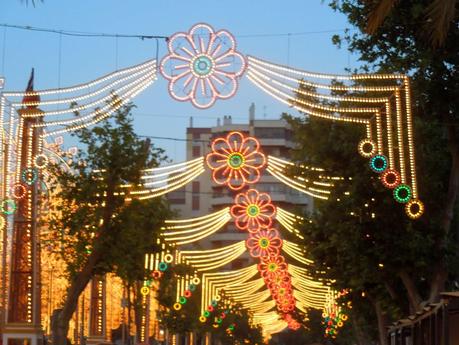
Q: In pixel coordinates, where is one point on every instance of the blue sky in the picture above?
(260, 27)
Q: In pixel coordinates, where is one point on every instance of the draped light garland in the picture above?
(203, 65)
(384, 113)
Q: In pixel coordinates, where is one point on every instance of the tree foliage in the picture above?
(98, 228)
(361, 238)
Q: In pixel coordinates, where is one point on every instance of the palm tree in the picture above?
(439, 16)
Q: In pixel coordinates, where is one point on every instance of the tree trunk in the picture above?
(382, 323)
(440, 273)
(60, 326)
(82, 278)
(361, 337)
(414, 297)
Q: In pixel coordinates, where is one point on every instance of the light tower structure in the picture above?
(23, 307)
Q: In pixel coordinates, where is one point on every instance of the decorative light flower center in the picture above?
(253, 210)
(281, 291)
(236, 160)
(202, 65)
(263, 242)
(272, 267)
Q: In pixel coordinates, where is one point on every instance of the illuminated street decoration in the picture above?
(27, 119)
(271, 266)
(384, 113)
(312, 183)
(236, 160)
(334, 315)
(253, 210)
(202, 66)
(264, 243)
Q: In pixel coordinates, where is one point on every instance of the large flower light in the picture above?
(202, 65)
(253, 210)
(264, 243)
(235, 160)
(272, 266)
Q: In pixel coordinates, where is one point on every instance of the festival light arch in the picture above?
(202, 66)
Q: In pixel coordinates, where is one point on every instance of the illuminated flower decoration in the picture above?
(281, 291)
(253, 210)
(272, 266)
(235, 160)
(202, 66)
(282, 277)
(286, 304)
(264, 243)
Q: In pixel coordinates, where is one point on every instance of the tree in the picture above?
(99, 229)
(363, 240)
(438, 17)
(398, 46)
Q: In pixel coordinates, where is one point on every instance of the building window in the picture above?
(270, 132)
(195, 203)
(196, 151)
(195, 187)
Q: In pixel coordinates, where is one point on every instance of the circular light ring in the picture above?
(156, 274)
(210, 309)
(182, 300)
(187, 293)
(8, 206)
(214, 303)
(168, 258)
(202, 319)
(367, 148)
(215, 325)
(40, 161)
(344, 317)
(206, 313)
(196, 280)
(223, 315)
(145, 290)
(378, 163)
(177, 306)
(236, 160)
(202, 65)
(414, 208)
(340, 324)
(402, 193)
(391, 178)
(264, 242)
(18, 191)
(218, 298)
(253, 210)
(219, 320)
(162, 266)
(192, 287)
(29, 176)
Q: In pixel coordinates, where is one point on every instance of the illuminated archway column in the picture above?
(97, 311)
(23, 314)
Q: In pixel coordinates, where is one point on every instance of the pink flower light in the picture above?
(202, 66)
(264, 243)
(253, 210)
(235, 160)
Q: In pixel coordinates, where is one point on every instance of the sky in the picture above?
(291, 32)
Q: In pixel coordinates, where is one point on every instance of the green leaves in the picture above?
(93, 213)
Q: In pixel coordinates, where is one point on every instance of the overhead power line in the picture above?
(82, 33)
(150, 36)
